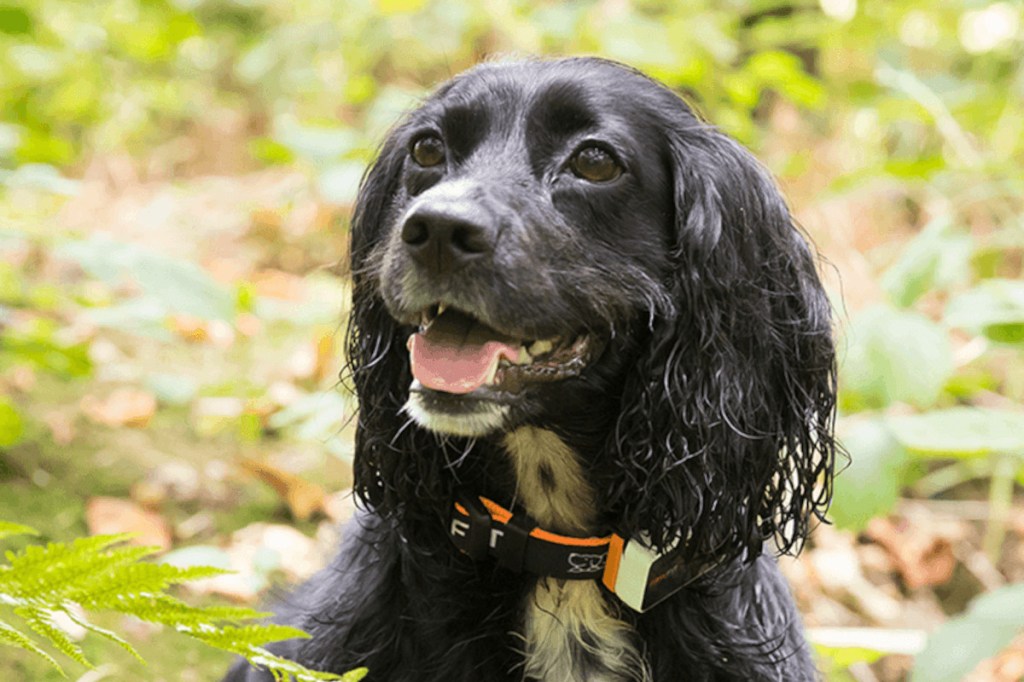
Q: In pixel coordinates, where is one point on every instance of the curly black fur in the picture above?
(708, 415)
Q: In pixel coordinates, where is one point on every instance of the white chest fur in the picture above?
(569, 632)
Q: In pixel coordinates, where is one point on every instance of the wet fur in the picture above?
(709, 414)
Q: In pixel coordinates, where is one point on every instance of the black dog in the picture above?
(576, 302)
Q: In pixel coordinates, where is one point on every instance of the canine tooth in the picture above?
(524, 357)
(541, 347)
(441, 307)
(491, 373)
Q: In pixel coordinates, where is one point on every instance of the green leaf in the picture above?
(339, 182)
(961, 432)
(937, 257)
(641, 41)
(175, 286)
(994, 308)
(871, 484)
(893, 356)
(957, 647)
(8, 529)
(270, 151)
(15, 20)
(784, 72)
(12, 426)
(38, 176)
(1004, 604)
(989, 625)
(184, 288)
(37, 344)
(139, 316)
(317, 144)
(843, 657)
(172, 389)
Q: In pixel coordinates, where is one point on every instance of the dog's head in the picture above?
(564, 243)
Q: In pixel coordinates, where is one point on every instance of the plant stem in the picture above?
(1000, 501)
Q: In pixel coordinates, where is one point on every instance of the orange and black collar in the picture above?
(480, 528)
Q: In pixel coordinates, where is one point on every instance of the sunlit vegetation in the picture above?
(175, 182)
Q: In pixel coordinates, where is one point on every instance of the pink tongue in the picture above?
(456, 353)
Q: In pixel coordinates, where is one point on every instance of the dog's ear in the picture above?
(387, 468)
(725, 437)
(373, 342)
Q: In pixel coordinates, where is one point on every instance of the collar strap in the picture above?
(637, 575)
(481, 527)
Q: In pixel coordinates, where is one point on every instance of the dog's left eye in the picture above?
(595, 164)
(428, 151)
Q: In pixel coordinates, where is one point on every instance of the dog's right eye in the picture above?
(428, 151)
(595, 164)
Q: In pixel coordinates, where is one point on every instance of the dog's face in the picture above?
(530, 227)
(564, 244)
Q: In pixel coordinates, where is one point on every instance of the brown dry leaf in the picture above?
(325, 357)
(314, 360)
(1007, 666)
(226, 269)
(279, 284)
(340, 507)
(303, 497)
(107, 515)
(62, 427)
(189, 328)
(266, 222)
(22, 378)
(248, 324)
(297, 555)
(921, 556)
(124, 407)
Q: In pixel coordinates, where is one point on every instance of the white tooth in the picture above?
(491, 372)
(524, 357)
(541, 347)
(441, 307)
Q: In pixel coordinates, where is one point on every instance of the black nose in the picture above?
(443, 237)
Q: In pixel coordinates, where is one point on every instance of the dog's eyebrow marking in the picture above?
(561, 109)
(465, 125)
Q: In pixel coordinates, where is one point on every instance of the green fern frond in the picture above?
(54, 571)
(42, 581)
(39, 620)
(238, 639)
(106, 634)
(8, 529)
(248, 641)
(108, 591)
(12, 637)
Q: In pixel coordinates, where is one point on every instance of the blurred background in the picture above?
(176, 178)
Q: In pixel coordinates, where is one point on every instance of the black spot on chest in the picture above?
(546, 478)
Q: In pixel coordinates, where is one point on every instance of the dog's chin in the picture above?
(456, 415)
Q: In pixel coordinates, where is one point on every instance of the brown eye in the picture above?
(428, 151)
(595, 164)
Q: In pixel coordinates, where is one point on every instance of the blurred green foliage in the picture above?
(918, 104)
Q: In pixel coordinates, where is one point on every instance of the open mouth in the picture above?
(453, 352)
